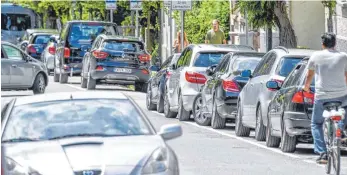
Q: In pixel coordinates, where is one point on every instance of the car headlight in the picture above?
(157, 162)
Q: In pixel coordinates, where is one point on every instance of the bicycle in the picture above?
(334, 115)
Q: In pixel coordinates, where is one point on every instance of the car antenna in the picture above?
(71, 97)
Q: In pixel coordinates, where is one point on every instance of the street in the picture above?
(205, 151)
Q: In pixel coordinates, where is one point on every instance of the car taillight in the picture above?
(99, 68)
(144, 58)
(99, 54)
(31, 48)
(303, 97)
(145, 71)
(66, 52)
(168, 74)
(336, 118)
(193, 77)
(280, 82)
(230, 86)
(51, 50)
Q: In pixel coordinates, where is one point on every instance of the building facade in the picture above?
(340, 25)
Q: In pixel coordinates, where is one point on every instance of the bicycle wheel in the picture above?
(336, 153)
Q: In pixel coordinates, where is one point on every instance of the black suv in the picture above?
(74, 41)
(116, 60)
(290, 111)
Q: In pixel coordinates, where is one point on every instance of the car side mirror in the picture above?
(210, 71)
(273, 85)
(154, 68)
(28, 58)
(246, 74)
(173, 67)
(170, 131)
(19, 39)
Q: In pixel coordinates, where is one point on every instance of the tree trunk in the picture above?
(81, 12)
(286, 34)
(330, 20)
(269, 38)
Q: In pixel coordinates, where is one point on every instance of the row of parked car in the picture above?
(234, 83)
(93, 50)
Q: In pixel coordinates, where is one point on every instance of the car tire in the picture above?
(39, 85)
(260, 129)
(240, 129)
(83, 82)
(167, 112)
(183, 115)
(197, 111)
(141, 87)
(160, 103)
(149, 104)
(91, 83)
(63, 78)
(288, 143)
(271, 141)
(56, 77)
(217, 121)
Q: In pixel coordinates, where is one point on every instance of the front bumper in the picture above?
(120, 78)
(297, 124)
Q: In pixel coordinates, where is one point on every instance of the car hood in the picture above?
(123, 155)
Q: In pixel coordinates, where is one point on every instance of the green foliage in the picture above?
(198, 20)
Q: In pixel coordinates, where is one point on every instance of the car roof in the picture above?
(8, 43)
(43, 33)
(70, 95)
(296, 52)
(86, 21)
(259, 54)
(30, 31)
(115, 37)
(222, 47)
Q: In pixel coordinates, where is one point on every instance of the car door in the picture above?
(158, 77)
(21, 69)
(5, 69)
(174, 79)
(60, 47)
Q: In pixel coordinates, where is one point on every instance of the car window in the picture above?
(174, 59)
(85, 31)
(12, 53)
(182, 58)
(2, 54)
(245, 63)
(286, 65)
(166, 62)
(126, 46)
(46, 120)
(15, 22)
(222, 66)
(206, 59)
(41, 39)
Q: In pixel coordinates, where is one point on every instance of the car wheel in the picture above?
(63, 78)
(83, 82)
(271, 141)
(259, 127)
(160, 103)
(217, 121)
(288, 143)
(167, 112)
(91, 83)
(141, 87)
(39, 85)
(183, 115)
(198, 115)
(240, 129)
(149, 103)
(56, 77)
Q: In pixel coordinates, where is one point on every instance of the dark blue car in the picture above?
(37, 44)
(217, 100)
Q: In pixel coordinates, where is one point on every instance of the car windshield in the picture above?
(126, 46)
(47, 120)
(208, 59)
(174, 59)
(85, 31)
(42, 39)
(286, 65)
(15, 22)
(246, 63)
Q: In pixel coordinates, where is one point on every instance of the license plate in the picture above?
(122, 59)
(122, 70)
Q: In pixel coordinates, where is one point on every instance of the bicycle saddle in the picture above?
(332, 104)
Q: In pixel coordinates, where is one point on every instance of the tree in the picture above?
(330, 4)
(276, 11)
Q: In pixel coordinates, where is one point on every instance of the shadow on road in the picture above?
(15, 95)
(113, 89)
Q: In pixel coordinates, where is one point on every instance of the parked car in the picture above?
(37, 44)
(48, 54)
(19, 71)
(74, 41)
(156, 85)
(217, 100)
(189, 74)
(255, 97)
(80, 129)
(290, 111)
(116, 60)
(23, 41)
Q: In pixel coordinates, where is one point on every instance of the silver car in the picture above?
(48, 54)
(189, 74)
(19, 71)
(85, 133)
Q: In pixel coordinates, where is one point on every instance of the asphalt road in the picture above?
(205, 151)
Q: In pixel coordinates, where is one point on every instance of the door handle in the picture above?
(14, 65)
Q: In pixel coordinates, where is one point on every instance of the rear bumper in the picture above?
(227, 108)
(74, 68)
(120, 78)
(297, 123)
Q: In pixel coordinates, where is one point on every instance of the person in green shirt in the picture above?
(215, 35)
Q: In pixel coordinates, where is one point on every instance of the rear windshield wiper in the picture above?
(20, 139)
(81, 135)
